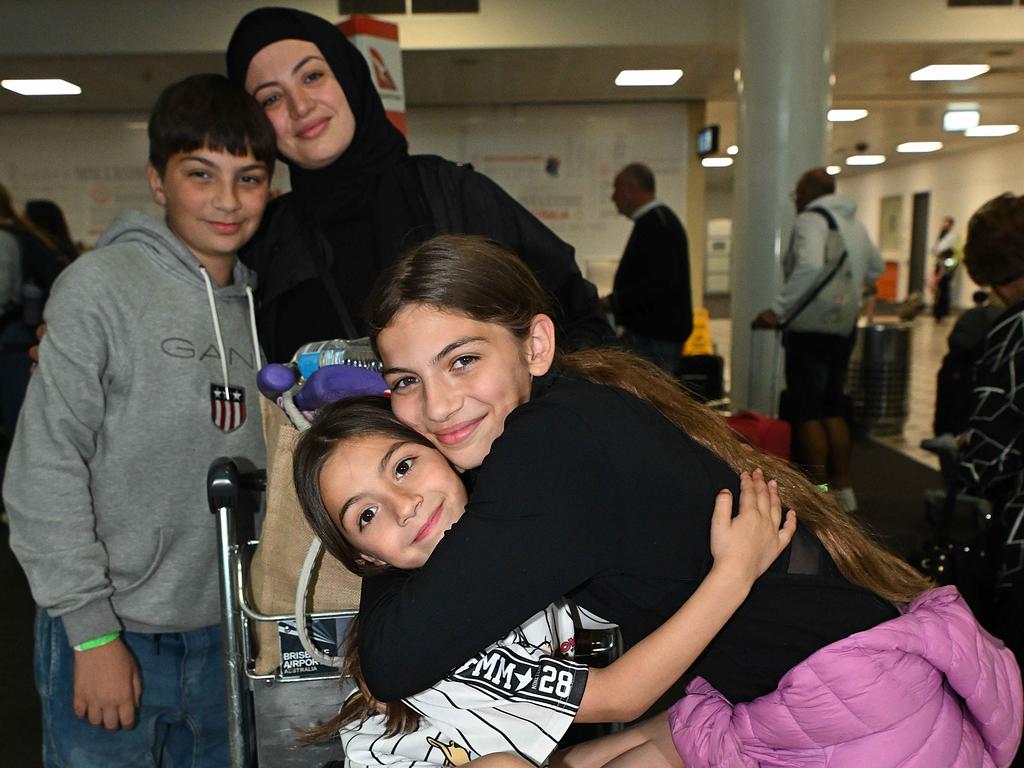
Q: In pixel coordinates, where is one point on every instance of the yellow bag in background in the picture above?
(699, 342)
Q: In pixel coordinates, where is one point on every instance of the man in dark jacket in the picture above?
(651, 293)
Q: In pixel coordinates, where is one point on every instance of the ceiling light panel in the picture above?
(865, 159)
(832, 170)
(949, 72)
(846, 115)
(991, 130)
(648, 77)
(716, 162)
(41, 87)
(919, 146)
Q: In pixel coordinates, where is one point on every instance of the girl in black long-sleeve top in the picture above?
(589, 489)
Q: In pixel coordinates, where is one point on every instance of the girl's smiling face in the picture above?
(454, 379)
(392, 500)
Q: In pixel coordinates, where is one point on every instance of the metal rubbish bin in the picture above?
(879, 377)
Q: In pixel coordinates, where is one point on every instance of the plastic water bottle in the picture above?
(318, 354)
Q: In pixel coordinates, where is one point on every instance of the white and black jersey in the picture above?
(519, 696)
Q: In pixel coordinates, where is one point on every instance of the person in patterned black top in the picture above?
(992, 457)
(379, 496)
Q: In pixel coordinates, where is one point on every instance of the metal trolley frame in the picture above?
(263, 710)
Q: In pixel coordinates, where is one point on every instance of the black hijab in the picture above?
(339, 189)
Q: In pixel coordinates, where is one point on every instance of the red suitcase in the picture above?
(771, 435)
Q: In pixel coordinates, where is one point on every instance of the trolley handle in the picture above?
(224, 481)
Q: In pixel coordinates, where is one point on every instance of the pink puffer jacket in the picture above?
(929, 689)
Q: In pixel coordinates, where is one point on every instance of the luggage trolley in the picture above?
(263, 710)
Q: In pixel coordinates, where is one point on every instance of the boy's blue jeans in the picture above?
(182, 719)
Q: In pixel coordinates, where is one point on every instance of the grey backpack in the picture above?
(832, 303)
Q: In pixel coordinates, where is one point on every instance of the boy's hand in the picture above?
(33, 352)
(744, 546)
(107, 686)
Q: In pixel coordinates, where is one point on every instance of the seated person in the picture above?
(992, 456)
(955, 380)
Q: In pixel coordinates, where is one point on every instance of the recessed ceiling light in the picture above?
(648, 76)
(716, 162)
(960, 120)
(919, 146)
(949, 71)
(40, 87)
(832, 170)
(846, 115)
(865, 159)
(732, 149)
(992, 130)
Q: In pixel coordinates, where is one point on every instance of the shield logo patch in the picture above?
(227, 407)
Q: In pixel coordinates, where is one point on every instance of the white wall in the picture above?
(90, 165)
(958, 182)
(93, 165)
(590, 143)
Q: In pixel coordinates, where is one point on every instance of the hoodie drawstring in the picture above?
(216, 326)
(252, 328)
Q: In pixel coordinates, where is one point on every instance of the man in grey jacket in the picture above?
(146, 374)
(820, 330)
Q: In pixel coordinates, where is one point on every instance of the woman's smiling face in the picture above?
(392, 500)
(303, 101)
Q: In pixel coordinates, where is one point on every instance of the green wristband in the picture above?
(88, 645)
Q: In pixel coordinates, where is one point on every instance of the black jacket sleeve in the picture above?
(478, 206)
(535, 528)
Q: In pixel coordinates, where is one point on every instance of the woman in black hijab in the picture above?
(358, 198)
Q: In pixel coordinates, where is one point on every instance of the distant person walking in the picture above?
(650, 297)
(819, 304)
(946, 261)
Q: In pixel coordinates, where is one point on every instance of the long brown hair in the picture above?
(347, 419)
(485, 281)
(10, 214)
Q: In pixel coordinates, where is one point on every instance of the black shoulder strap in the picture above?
(441, 183)
(321, 254)
(817, 288)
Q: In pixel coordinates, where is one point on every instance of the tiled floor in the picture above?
(927, 346)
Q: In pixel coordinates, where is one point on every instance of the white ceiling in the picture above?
(872, 75)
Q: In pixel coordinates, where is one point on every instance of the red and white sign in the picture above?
(378, 42)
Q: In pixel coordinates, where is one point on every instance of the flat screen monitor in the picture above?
(707, 141)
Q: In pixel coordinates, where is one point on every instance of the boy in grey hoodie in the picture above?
(146, 374)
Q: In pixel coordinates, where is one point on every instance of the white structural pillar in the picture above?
(784, 88)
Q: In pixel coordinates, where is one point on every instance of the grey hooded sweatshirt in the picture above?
(105, 483)
(803, 263)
